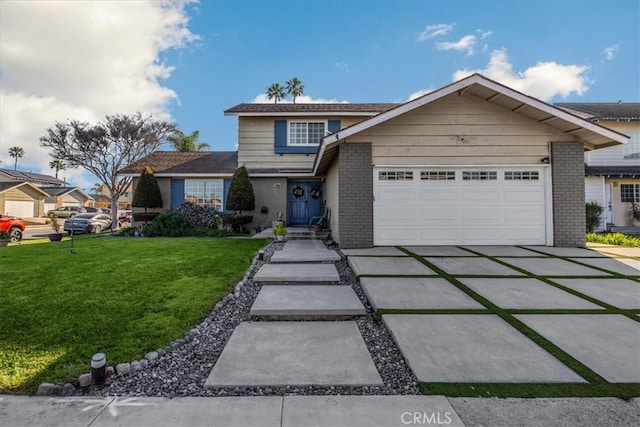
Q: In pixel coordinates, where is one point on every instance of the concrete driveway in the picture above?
(497, 314)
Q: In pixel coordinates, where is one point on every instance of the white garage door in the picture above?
(460, 206)
(20, 208)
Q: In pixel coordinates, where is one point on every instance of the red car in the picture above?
(12, 225)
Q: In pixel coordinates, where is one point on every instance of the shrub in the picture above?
(145, 216)
(594, 216)
(239, 221)
(200, 216)
(147, 192)
(241, 196)
(614, 239)
(169, 224)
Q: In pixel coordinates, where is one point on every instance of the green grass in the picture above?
(121, 296)
(614, 239)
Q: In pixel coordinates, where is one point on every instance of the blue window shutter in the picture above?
(177, 192)
(225, 193)
(334, 126)
(280, 136)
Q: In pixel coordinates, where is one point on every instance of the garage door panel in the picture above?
(20, 208)
(447, 211)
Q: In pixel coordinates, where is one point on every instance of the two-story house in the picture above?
(472, 163)
(613, 174)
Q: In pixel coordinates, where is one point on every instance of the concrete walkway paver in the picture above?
(608, 344)
(297, 273)
(504, 251)
(553, 267)
(567, 252)
(526, 294)
(415, 293)
(620, 266)
(307, 301)
(473, 348)
(376, 251)
(621, 293)
(476, 266)
(295, 353)
(388, 266)
(438, 251)
(305, 256)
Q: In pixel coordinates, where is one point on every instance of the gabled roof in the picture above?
(342, 109)
(173, 163)
(590, 134)
(5, 186)
(30, 176)
(61, 191)
(595, 111)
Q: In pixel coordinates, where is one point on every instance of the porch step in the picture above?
(306, 302)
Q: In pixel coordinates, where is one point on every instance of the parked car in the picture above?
(87, 223)
(90, 209)
(125, 217)
(12, 225)
(66, 211)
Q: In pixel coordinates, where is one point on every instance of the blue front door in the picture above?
(305, 201)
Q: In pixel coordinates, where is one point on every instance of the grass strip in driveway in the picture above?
(597, 386)
(121, 296)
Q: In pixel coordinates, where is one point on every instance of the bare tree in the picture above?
(106, 147)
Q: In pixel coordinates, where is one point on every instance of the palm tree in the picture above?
(295, 88)
(96, 189)
(276, 91)
(58, 165)
(183, 142)
(16, 153)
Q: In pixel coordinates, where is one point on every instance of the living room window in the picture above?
(306, 133)
(204, 192)
(630, 193)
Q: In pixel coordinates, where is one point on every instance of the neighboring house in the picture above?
(613, 174)
(103, 198)
(201, 177)
(22, 199)
(65, 196)
(31, 195)
(474, 162)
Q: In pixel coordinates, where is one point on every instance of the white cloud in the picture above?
(82, 60)
(435, 30)
(418, 94)
(465, 43)
(484, 34)
(544, 80)
(304, 99)
(611, 52)
(343, 66)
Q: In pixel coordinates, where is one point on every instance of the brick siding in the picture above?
(355, 196)
(567, 163)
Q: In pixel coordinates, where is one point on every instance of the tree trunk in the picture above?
(114, 212)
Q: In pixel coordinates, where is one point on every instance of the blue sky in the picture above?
(192, 60)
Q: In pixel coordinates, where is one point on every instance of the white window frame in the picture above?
(395, 175)
(325, 123)
(205, 181)
(631, 150)
(635, 193)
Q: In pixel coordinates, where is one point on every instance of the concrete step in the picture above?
(317, 274)
(279, 354)
(290, 302)
(308, 256)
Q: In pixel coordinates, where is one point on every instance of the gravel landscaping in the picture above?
(187, 362)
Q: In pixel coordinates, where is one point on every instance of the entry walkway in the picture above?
(296, 353)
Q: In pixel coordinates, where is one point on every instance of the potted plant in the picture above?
(634, 213)
(5, 238)
(279, 231)
(56, 226)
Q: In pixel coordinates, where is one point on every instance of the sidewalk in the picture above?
(330, 411)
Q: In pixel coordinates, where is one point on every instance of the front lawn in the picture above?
(121, 296)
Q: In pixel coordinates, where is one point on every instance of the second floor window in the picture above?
(306, 133)
(632, 148)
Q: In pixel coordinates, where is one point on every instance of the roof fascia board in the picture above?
(20, 184)
(305, 114)
(281, 175)
(183, 175)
